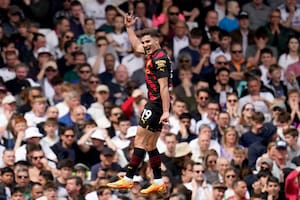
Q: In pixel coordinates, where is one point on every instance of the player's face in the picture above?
(149, 43)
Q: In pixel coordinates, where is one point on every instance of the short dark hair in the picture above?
(260, 33)
(185, 116)
(273, 179)
(266, 51)
(291, 131)
(258, 117)
(65, 163)
(47, 175)
(6, 170)
(149, 31)
(284, 117)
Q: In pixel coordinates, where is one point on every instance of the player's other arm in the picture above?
(134, 40)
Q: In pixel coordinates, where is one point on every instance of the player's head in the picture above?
(150, 40)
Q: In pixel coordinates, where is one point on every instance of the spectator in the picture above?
(76, 18)
(96, 10)
(37, 113)
(110, 14)
(289, 11)
(202, 99)
(211, 19)
(65, 168)
(291, 55)
(210, 161)
(258, 13)
(229, 22)
(89, 32)
(245, 119)
(229, 142)
(243, 35)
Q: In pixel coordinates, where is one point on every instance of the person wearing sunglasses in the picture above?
(232, 104)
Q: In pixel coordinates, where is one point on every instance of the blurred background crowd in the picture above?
(72, 91)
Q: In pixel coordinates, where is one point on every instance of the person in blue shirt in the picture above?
(230, 22)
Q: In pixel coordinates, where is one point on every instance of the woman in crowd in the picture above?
(210, 162)
(292, 52)
(244, 121)
(229, 142)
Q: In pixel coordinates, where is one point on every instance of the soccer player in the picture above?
(156, 111)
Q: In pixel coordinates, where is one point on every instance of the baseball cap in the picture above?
(281, 144)
(106, 151)
(243, 15)
(219, 185)
(50, 64)
(81, 166)
(267, 161)
(8, 99)
(182, 149)
(32, 132)
(98, 134)
(13, 9)
(102, 88)
(43, 50)
(131, 132)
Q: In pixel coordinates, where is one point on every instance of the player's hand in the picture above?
(129, 20)
(164, 118)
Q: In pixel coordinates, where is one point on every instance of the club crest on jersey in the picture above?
(161, 65)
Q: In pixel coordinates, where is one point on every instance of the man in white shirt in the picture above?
(260, 100)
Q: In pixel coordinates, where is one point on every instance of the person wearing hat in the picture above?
(96, 110)
(32, 136)
(106, 163)
(15, 15)
(82, 171)
(8, 107)
(281, 159)
(243, 35)
(219, 189)
(48, 71)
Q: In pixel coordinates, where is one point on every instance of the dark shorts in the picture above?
(151, 115)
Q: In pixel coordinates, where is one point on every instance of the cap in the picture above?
(137, 179)
(281, 144)
(43, 50)
(102, 88)
(81, 166)
(13, 9)
(278, 104)
(32, 132)
(106, 151)
(50, 64)
(219, 185)
(98, 134)
(267, 161)
(182, 149)
(8, 99)
(131, 132)
(243, 15)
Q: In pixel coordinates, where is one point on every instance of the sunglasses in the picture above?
(184, 61)
(22, 177)
(234, 52)
(230, 176)
(69, 136)
(50, 70)
(173, 13)
(37, 157)
(277, 109)
(69, 37)
(203, 98)
(250, 109)
(94, 82)
(84, 71)
(232, 100)
(222, 63)
(198, 171)
(100, 45)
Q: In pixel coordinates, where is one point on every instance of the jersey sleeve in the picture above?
(162, 68)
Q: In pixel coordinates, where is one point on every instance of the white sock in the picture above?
(127, 179)
(158, 181)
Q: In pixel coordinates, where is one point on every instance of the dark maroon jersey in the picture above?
(157, 65)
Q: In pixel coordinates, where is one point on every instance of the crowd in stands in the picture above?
(72, 91)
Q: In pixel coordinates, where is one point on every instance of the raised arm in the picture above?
(134, 40)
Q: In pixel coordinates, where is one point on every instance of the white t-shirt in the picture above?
(32, 119)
